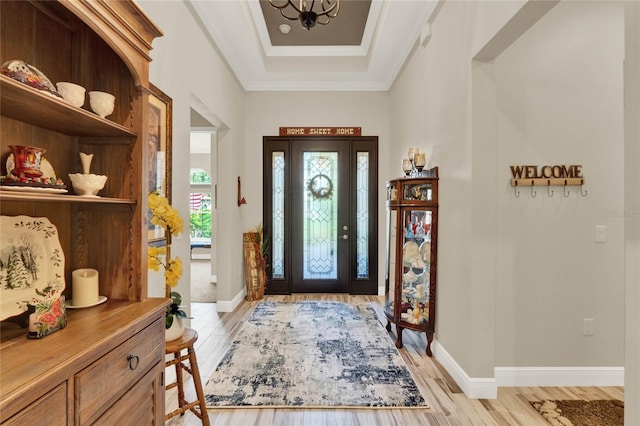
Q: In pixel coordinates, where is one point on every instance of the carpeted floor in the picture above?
(600, 412)
(313, 354)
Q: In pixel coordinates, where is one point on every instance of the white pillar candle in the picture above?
(84, 287)
(33, 328)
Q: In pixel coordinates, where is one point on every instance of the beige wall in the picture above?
(188, 68)
(516, 276)
(559, 101)
(632, 206)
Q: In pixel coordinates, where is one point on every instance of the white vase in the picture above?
(175, 331)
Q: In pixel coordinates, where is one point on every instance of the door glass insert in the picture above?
(362, 214)
(278, 191)
(320, 211)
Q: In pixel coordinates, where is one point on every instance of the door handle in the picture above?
(345, 237)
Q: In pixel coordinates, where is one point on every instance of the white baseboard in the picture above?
(230, 305)
(474, 388)
(559, 376)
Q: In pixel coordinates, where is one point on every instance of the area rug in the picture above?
(600, 412)
(312, 354)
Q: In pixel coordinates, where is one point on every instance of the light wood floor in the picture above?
(448, 404)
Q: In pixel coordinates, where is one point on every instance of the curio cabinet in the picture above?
(412, 229)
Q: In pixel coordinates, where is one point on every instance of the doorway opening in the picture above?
(203, 215)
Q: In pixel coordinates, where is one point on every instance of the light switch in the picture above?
(587, 327)
(601, 234)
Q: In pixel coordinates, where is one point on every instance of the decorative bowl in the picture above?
(72, 93)
(102, 103)
(87, 185)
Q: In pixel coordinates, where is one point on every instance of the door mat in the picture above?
(599, 412)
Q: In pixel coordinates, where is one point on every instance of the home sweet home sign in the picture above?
(320, 131)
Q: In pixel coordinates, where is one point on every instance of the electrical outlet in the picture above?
(601, 234)
(587, 327)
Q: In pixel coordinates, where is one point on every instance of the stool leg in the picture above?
(181, 400)
(195, 372)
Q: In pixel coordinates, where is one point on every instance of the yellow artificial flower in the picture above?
(165, 216)
(173, 272)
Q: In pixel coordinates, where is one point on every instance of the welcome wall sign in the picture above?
(525, 175)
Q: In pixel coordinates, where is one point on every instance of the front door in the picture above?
(320, 217)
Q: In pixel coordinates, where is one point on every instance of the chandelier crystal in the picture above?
(327, 10)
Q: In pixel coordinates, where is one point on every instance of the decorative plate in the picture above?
(28, 188)
(48, 182)
(29, 75)
(410, 253)
(31, 264)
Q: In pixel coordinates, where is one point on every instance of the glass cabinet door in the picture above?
(416, 266)
(418, 192)
(391, 261)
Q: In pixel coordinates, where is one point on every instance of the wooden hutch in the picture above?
(107, 365)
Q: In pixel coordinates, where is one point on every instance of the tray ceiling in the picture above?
(362, 49)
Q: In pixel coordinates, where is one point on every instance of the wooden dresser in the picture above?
(107, 365)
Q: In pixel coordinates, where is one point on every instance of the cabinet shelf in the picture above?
(31, 196)
(33, 106)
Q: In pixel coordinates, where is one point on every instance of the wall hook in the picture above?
(533, 193)
(549, 190)
(583, 193)
(515, 190)
(566, 194)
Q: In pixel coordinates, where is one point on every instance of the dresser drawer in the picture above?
(51, 409)
(101, 384)
(143, 404)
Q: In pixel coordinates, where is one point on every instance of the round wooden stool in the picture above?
(176, 347)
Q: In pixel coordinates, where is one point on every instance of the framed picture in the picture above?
(159, 153)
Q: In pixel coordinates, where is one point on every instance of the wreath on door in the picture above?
(321, 187)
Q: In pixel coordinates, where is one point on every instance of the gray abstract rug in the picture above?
(312, 354)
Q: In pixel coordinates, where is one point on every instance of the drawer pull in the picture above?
(134, 360)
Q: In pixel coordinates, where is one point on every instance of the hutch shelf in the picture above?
(410, 282)
(107, 365)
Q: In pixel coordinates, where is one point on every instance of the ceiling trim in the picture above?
(238, 30)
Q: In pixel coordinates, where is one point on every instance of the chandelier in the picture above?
(308, 17)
